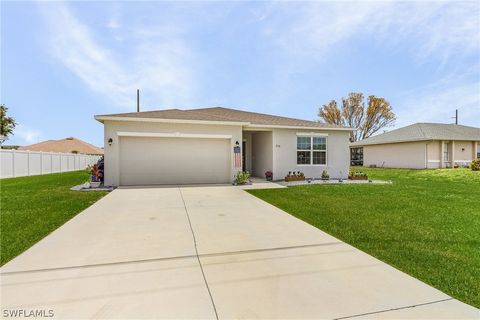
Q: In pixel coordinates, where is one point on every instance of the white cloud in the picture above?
(437, 103)
(438, 30)
(159, 67)
(24, 135)
(113, 24)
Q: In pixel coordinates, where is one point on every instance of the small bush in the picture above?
(475, 165)
(242, 177)
(357, 174)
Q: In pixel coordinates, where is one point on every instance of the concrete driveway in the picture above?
(208, 252)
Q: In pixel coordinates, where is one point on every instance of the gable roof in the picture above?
(423, 132)
(220, 114)
(67, 145)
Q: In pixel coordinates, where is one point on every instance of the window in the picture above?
(478, 150)
(446, 154)
(312, 150)
(356, 156)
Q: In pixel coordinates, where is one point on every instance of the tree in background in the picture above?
(368, 120)
(7, 124)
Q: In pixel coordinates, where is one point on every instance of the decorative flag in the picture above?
(237, 157)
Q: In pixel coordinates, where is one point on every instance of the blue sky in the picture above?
(64, 62)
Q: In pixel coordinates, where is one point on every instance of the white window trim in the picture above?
(312, 150)
(312, 134)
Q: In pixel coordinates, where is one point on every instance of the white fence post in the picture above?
(26, 163)
(13, 164)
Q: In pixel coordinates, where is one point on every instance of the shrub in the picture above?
(242, 177)
(357, 174)
(475, 165)
(325, 174)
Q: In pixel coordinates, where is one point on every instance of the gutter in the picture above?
(246, 125)
(272, 126)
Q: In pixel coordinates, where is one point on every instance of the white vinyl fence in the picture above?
(18, 163)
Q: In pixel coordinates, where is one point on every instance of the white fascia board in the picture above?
(173, 135)
(246, 125)
(223, 123)
(312, 134)
(264, 126)
(357, 144)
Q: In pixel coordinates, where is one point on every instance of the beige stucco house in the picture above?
(422, 145)
(211, 145)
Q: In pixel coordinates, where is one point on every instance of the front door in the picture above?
(243, 156)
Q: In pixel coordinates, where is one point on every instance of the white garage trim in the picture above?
(173, 135)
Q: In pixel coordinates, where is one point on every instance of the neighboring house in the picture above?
(67, 145)
(211, 145)
(422, 145)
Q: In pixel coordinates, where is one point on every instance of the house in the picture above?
(421, 145)
(211, 145)
(67, 145)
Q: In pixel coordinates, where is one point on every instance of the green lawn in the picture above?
(32, 207)
(427, 223)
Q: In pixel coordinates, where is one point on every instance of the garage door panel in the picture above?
(147, 161)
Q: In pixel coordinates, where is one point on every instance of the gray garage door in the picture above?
(150, 161)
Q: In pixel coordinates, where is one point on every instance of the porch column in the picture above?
(442, 147)
(452, 160)
(475, 149)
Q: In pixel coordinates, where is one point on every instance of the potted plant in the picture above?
(294, 176)
(325, 175)
(269, 175)
(96, 177)
(357, 175)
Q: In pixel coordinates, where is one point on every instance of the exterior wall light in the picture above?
(110, 141)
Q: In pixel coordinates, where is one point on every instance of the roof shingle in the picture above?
(224, 114)
(67, 145)
(422, 132)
